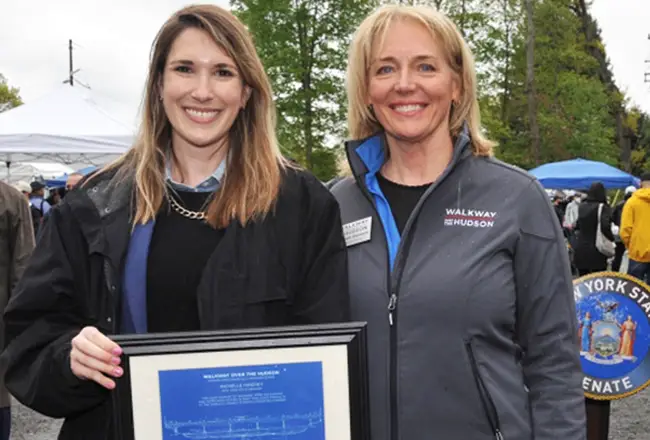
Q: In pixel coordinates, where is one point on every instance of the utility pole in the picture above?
(72, 72)
(71, 68)
(646, 75)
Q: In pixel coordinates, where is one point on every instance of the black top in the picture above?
(587, 258)
(179, 250)
(401, 198)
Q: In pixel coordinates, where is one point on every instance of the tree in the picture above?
(9, 96)
(530, 82)
(303, 45)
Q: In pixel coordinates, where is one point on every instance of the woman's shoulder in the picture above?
(504, 171)
(107, 188)
(300, 186)
(299, 181)
(501, 178)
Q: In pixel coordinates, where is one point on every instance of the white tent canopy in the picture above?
(29, 171)
(66, 126)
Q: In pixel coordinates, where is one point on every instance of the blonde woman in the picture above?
(460, 267)
(202, 225)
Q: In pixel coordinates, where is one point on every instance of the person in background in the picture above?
(201, 225)
(37, 197)
(72, 180)
(587, 258)
(559, 205)
(571, 218)
(16, 245)
(456, 260)
(617, 214)
(39, 207)
(635, 230)
(571, 212)
(24, 188)
(55, 196)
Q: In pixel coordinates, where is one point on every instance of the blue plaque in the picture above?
(249, 402)
(613, 312)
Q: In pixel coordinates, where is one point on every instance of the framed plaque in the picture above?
(290, 383)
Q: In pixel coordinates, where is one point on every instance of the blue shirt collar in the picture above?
(210, 184)
(372, 151)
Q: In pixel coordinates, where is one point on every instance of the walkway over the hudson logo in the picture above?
(613, 312)
(473, 218)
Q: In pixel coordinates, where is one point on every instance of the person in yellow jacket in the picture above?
(635, 230)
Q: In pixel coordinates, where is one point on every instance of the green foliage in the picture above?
(9, 96)
(638, 128)
(303, 45)
(573, 104)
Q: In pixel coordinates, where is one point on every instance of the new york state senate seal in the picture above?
(613, 312)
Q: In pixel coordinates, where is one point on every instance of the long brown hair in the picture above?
(253, 174)
(362, 123)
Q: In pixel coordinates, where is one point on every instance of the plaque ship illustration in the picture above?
(246, 427)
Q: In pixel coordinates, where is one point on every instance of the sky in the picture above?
(111, 45)
(112, 41)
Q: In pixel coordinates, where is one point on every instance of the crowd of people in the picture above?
(623, 226)
(454, 259)
(39, 204)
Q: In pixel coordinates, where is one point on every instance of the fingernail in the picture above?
(110, 385)
(117, 371)
(115, 360)
(117, 351)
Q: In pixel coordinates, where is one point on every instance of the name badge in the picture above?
(358, 231)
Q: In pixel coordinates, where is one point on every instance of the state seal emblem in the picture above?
(613, 313)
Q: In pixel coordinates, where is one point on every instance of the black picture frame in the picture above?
(352, 335)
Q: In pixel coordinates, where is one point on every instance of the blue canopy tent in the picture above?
(579, 174)
(59, 182)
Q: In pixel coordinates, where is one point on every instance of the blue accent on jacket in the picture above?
(134, 299)
(372, 154)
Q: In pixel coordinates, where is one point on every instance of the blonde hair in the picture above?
(372, 31)
(253, 174)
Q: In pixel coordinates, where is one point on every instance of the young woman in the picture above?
(457, 260)
(201, 225)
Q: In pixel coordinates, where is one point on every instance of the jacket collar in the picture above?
(366, 156)
(102, 205)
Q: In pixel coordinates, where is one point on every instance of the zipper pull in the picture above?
(498, 435)
(392, 303)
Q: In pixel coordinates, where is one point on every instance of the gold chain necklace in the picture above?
(193, 215)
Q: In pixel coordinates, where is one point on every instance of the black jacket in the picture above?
(617, 212)
(290, 268)
(587, 257)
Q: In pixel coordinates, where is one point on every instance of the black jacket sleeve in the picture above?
(41, 319)
(323, 295)
(546, 322)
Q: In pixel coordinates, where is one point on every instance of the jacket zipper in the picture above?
(392, 316)
(397, 271)
(486, 400)
(394, 290)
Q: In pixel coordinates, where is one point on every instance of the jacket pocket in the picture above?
(486, 400)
